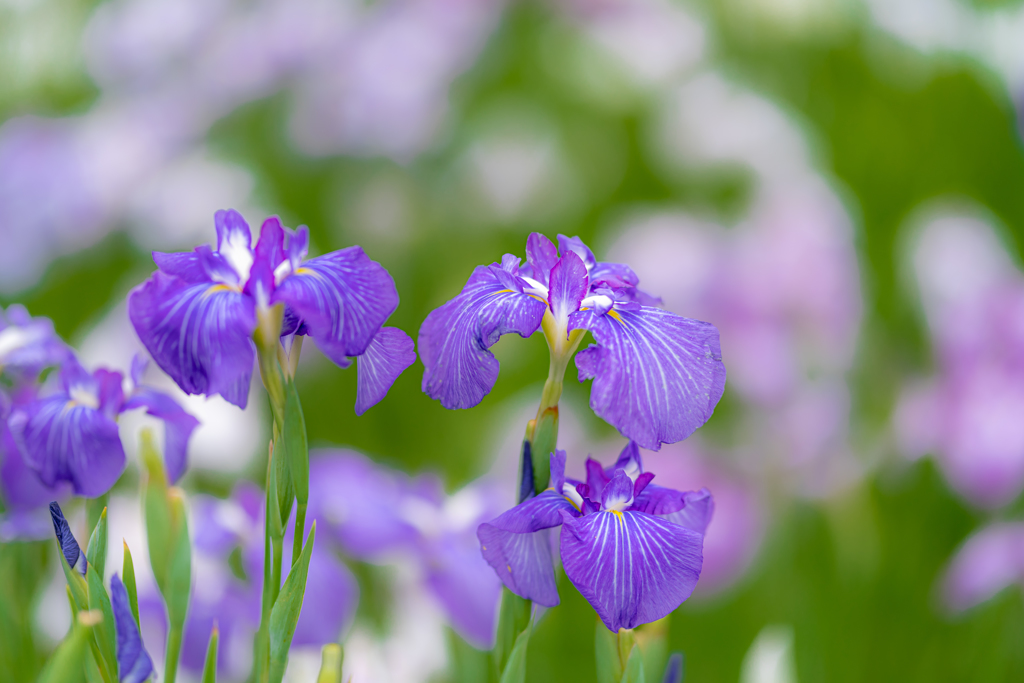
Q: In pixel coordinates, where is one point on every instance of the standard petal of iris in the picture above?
(691, 509)
(657, 376)
(455, 338)
(178, 427)
(517, 546)
(64, 441)
(633, 568)
(343, 298)
(200, 334)
(387, 356)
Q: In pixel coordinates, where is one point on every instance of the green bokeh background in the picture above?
(892, 128)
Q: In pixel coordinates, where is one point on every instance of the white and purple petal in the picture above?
(234, 242)
(657, 376)
(569, 285)
(133, 662)
(342, 298)
(517, 547)
(455, 338)
(198, 333)
(388, 355)
(633, 568)
(63, 440)
(178, 427)
(691, 509)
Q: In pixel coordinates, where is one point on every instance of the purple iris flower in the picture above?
(632, 548)
(27, 344)
(197, 314)
(133, 662)
(657, 376)
(374, 514)
(68, 545)
(71, 435)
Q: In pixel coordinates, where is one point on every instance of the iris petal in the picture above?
(541, 256)
(657, 376)
(569, 285)
(198, 333)
(633, 568)
(455, 338)
(387, 356)
(178, 427)
(64, 441)
(691, 509)
(133, 662)
(343, 299)
(517, 546)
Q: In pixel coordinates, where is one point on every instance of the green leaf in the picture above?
(606, 653)
(179, 571)
(285, 615)
(104, 637)
(296, 447)
(128, 578)
(466, 664)
(78, 589)
(69, 661)
(515, 669)
(542, 445)
(513, 619)
(96, 553)
(331, 658)
(210, 665)
(159, 528)
(634, 669)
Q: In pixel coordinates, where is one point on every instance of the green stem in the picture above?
(173, 650)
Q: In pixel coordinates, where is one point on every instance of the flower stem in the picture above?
(173, 650)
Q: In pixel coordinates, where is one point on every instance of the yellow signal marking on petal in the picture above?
(617, 513)
(304, 271)
(615, 314)
(222, 288)
(509, 567)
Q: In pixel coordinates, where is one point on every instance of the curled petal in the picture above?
(517, 546)
(387, 356)
(576, 245)
(65, 441)
(455, 338)
(178, 427)
(343, 298)
(133, 662)
(657, 376)
(633, 568)
(184, 265)
(200, 334)
(68, 545)
(691, 509)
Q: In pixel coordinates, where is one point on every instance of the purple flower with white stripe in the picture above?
(632, 548)
(198, 313)
(657, 376)
(71, 435)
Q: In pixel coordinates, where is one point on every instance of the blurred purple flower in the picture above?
(71, 435)
(989, 561)
(632, 548)
(374, 514)
(197, 314)
(657, 376)
(27, 344)
(968, 413)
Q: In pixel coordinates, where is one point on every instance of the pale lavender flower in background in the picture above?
(989, 561)
(968, 412)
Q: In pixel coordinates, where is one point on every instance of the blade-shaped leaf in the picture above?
(606, 653)
(515, 669)
(210, 665)
(285, 615)
(104, 635)
(296, 447)
(128, 577)
(96, 552)
(634, 669)
(68, 662)
(513, 619)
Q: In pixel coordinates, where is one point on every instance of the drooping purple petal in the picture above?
(614, 275)
(184, 265)
(518, 549)
(178, 427)
(633, 568)
(68, 545)
(541, 256)
(343, 298)
(388, 355)
(200, 334)
(569, 285)
(133, 662)
(466, 587)
(455, 338)
(62, 440)
(657, 376)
